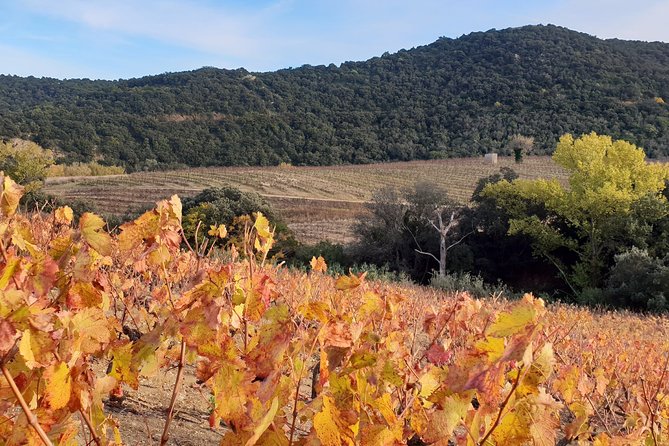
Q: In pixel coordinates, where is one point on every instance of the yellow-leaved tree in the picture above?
(575, 227)
(26, 162)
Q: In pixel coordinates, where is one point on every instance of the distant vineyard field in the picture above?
(311, 199)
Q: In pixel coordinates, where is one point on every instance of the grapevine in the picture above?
(293, 358)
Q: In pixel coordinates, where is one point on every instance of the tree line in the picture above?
(454, 97)
(602, 239)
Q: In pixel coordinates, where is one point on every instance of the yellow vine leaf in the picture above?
(328, 430)
(232, 390)
(492, 347)
(91, 229)
(378, 435)
(512, 429)
(124, 368)
(265, 236)
(318, 264)
(84, 294)
(385, 405)
(264, 423)
(602, 440)
(23, 238)
(10, 194)
(11, 266)
(349, 282)
(567, 384)
(372, 304)
(58, 385)
(26, 350)
(36, 348)
(539, 370)
(91, 329)
(442, 422)
(261, 226)
(64, 215)
(517, 319)
(271, 437)
(601, 380)
(135, 232)
(175, 206)
(429, 383)
(159, 256)
(219, 231)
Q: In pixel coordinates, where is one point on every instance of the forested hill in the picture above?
(454, 97)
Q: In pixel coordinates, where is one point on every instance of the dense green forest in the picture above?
(454, 97)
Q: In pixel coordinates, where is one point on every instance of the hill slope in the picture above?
(453, 97)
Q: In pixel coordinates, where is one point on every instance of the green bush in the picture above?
(232, 207)
(638, 281)
(333, 253)
(473, 284)
(374, 272)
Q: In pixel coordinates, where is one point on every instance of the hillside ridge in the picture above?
(453, 97)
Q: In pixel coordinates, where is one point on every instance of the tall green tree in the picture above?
(577, 226)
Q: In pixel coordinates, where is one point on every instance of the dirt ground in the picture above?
(141, 415)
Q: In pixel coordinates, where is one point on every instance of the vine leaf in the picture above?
(58, 385)
(328, 425)
(64, 215)
(349, 282)
(91, 230)
(518, 319)
(264, 423)
(318, 264)
(8, 336)
(10, 194)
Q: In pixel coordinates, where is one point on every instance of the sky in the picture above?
(115, 39)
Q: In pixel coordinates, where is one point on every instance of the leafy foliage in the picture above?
(467, 282)
(92, 168)
(232, 208)
(639, 281)
(25, 161)
(454, 97)
(387, 370)
(578, 229)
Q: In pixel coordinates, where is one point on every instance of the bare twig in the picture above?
(32, 419)
(501, 409)
(651, 412)
(427, 254)
(297, 391)
(175, 392)
(88, 422)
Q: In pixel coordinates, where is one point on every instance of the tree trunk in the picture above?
(442, 255)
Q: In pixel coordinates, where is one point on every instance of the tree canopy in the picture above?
(453, 97)
(26, 162)
(580, 227)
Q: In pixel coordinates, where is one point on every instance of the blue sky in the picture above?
(130, 38)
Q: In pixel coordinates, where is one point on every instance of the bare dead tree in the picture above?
(444, 226)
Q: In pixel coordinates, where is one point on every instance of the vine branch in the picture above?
(175, 392)
(32, 419)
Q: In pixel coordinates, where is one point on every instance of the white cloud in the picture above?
(202, 28)
(295, 32)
